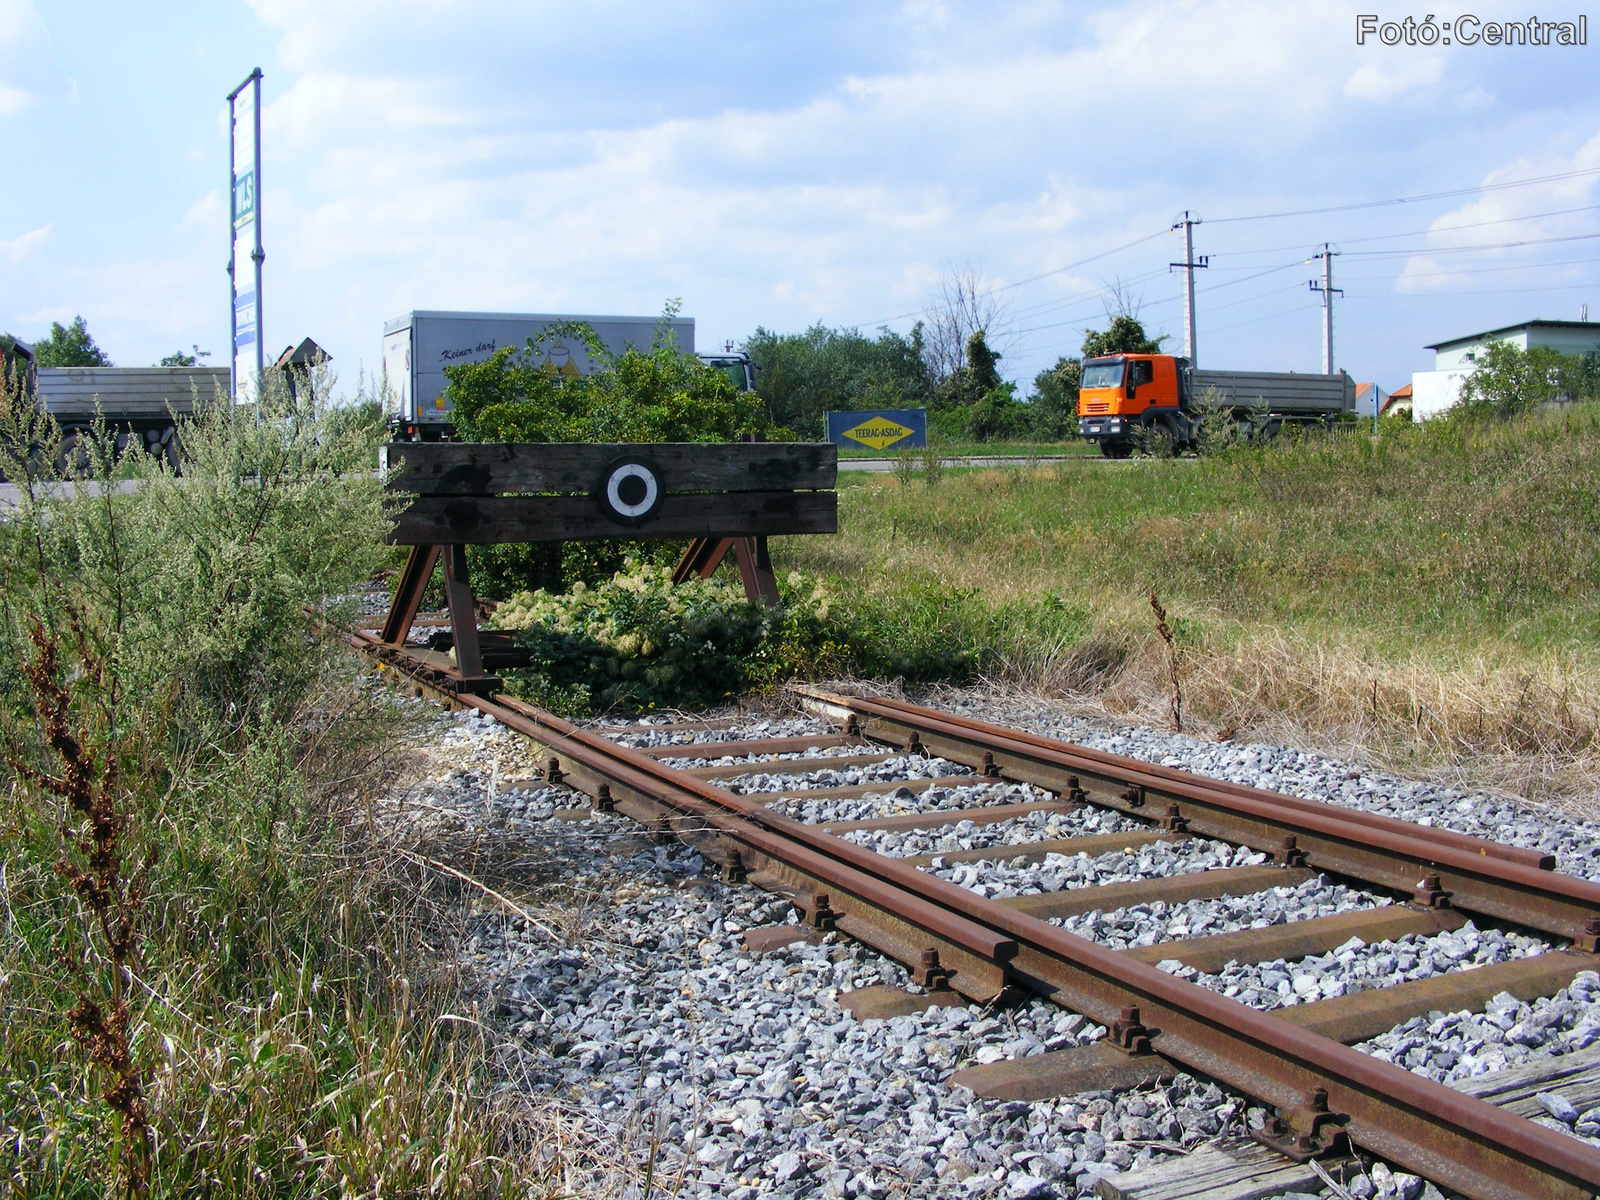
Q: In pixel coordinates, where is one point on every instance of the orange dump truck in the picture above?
(1156, 400)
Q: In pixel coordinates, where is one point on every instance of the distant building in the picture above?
(1368, 394)
(1454, 360)
(1399, 400)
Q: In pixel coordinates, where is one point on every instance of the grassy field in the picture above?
(1432, 597)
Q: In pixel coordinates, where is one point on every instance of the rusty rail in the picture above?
(1435, 865)
(1322, 1088)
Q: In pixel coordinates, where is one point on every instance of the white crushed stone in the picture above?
(668, 977)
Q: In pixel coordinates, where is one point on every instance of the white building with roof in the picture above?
(1437, 390)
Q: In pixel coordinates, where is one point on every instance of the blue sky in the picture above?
(781, 165)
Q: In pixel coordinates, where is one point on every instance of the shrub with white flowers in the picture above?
(639, 641)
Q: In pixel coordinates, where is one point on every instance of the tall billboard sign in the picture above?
(244, 187)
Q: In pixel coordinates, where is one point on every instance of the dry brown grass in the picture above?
(1530, 730)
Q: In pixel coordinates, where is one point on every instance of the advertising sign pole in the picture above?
(247, 364)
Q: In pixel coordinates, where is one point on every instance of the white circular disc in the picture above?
(614, 490)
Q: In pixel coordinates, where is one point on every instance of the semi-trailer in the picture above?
(1159, 401)
(418, 346)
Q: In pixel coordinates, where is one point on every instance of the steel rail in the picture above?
(1457, 1140)
(916, 716)
(1388, 854)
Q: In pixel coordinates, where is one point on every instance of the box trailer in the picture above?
(420, 345)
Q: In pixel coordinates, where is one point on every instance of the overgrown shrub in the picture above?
(639, 642)
(192, 753)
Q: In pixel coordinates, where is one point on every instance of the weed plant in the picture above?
(216, 976)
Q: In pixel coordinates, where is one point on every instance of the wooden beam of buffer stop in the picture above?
(725, 497)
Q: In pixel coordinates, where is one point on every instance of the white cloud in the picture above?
(1395, 77)
(25, 70)
(1535, 216)
(19, 248)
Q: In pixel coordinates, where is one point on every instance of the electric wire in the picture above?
(1486, 187)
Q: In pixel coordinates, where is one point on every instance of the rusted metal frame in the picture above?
(413, 582)
(1323, 837)
(701, 558)
(1457, 1140)
(755, 570)
(912, 717)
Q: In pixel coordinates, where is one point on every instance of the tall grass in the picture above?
(293, 1020)
(1431, 597)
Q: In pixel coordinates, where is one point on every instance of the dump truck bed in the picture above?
(70, 394)
(1281, 392)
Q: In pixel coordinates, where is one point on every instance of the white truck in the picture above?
(418, 346)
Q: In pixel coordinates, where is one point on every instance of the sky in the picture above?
(784, 165)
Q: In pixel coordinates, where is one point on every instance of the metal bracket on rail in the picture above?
(822, 917)
(1589, 939)
(1129, 1034)
(930, 975)
(1431, 894)
(1289, 853)
(1307, 1130)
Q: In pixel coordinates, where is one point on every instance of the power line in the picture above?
(1564, 287)
(1386, 237)
(1082, 262)
(1432, 250)
(1562, 262)
(1487, 187)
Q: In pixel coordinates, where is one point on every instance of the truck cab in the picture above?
(1124, 396)
(736, 365)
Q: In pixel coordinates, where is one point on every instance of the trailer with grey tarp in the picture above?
(138, 403)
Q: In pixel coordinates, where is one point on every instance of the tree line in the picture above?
(801, 376)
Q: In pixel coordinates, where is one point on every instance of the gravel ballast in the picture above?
(756, 1083)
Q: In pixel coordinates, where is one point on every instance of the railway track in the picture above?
(1297, 1062)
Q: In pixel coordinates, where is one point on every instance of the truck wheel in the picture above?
(73, 459)
(1115, 449)
(1161, 440)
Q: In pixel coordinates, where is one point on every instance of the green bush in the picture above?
(637, 641)
(660, 394)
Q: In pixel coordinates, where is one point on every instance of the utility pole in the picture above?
(1326, 254)
(1187, 222)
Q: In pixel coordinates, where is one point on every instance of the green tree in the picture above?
(1125, 335)
(179, 359)
(1509, 381)
(69, 346)
(1054, 403)
(800, 376)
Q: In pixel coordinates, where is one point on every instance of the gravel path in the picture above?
(751, 1080)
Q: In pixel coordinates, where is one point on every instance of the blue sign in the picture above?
(879, 428)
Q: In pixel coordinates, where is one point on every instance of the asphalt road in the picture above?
(882, 466)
